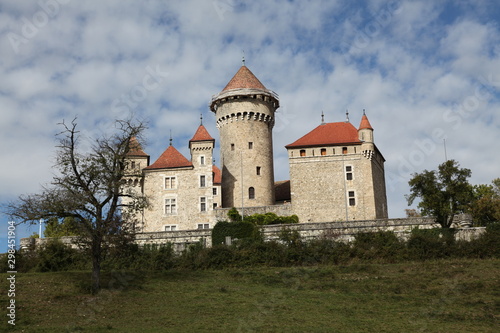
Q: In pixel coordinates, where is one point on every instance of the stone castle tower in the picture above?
(337, 174)
(244, 112)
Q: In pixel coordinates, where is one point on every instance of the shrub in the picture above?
(431, 243)
(236, 230)
(271, 218)
(328, 251)
(486, 245)
(219, 256)
(380, 244)
(56, 256)
(233, 215)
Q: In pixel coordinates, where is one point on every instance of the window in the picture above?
(323, 151)
(202, 160)
(352, 199)
(203, 204)
(132, 165)
(348, 172)
(170, 183)
(170, 206)
(203, 226)
(344, 150)
(171, 227)
(251, 193)
(215, 205)
(250, 145)
(258, 171)
(202, 181)
(214, 191)
(232, 146)
(302, 153)
(333, 151)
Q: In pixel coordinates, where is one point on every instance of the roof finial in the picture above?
(243, 58)
(322, 117)
(364, 113)
(201, 119)
(346, 116)
(171, 137)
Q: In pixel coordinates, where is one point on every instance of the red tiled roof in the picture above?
(365, 123)
(244, 78)
(135, 148)
(171, 158)
(202, 135)
(328, 134)
(217, 175)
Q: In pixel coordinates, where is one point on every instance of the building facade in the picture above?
(336, 170)
(337, 174)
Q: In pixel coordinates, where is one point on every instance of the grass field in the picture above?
(439, 296)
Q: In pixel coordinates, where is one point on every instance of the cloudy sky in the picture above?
(424, 71)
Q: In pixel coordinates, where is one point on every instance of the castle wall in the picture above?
(319, 190)
(378, 176)
(187, 194)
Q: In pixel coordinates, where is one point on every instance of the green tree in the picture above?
(485, 208)
(443, 193)
(234, 215)
(88, 190)
(61, 227)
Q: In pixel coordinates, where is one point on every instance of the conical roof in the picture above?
(365, 123)
(135, 148)
(202, 135)
(171, 158)
(244, 78)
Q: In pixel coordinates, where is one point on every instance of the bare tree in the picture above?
(88, 188)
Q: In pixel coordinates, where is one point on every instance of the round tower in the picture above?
(244, 110)
(365, 132)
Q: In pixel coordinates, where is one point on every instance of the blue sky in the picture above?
(423, 70)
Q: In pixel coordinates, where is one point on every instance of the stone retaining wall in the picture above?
(342, 231)
(345, 231)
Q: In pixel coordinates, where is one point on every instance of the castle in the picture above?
(336, 170)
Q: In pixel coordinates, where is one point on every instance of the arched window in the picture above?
(251, 193)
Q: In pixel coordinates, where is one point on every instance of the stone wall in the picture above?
(31, 243)
(345, 231)
(180, 240)
(341, 231)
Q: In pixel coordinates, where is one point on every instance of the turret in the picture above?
(244, 110)
(135, 160)
(201, 147)
(365, 132)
